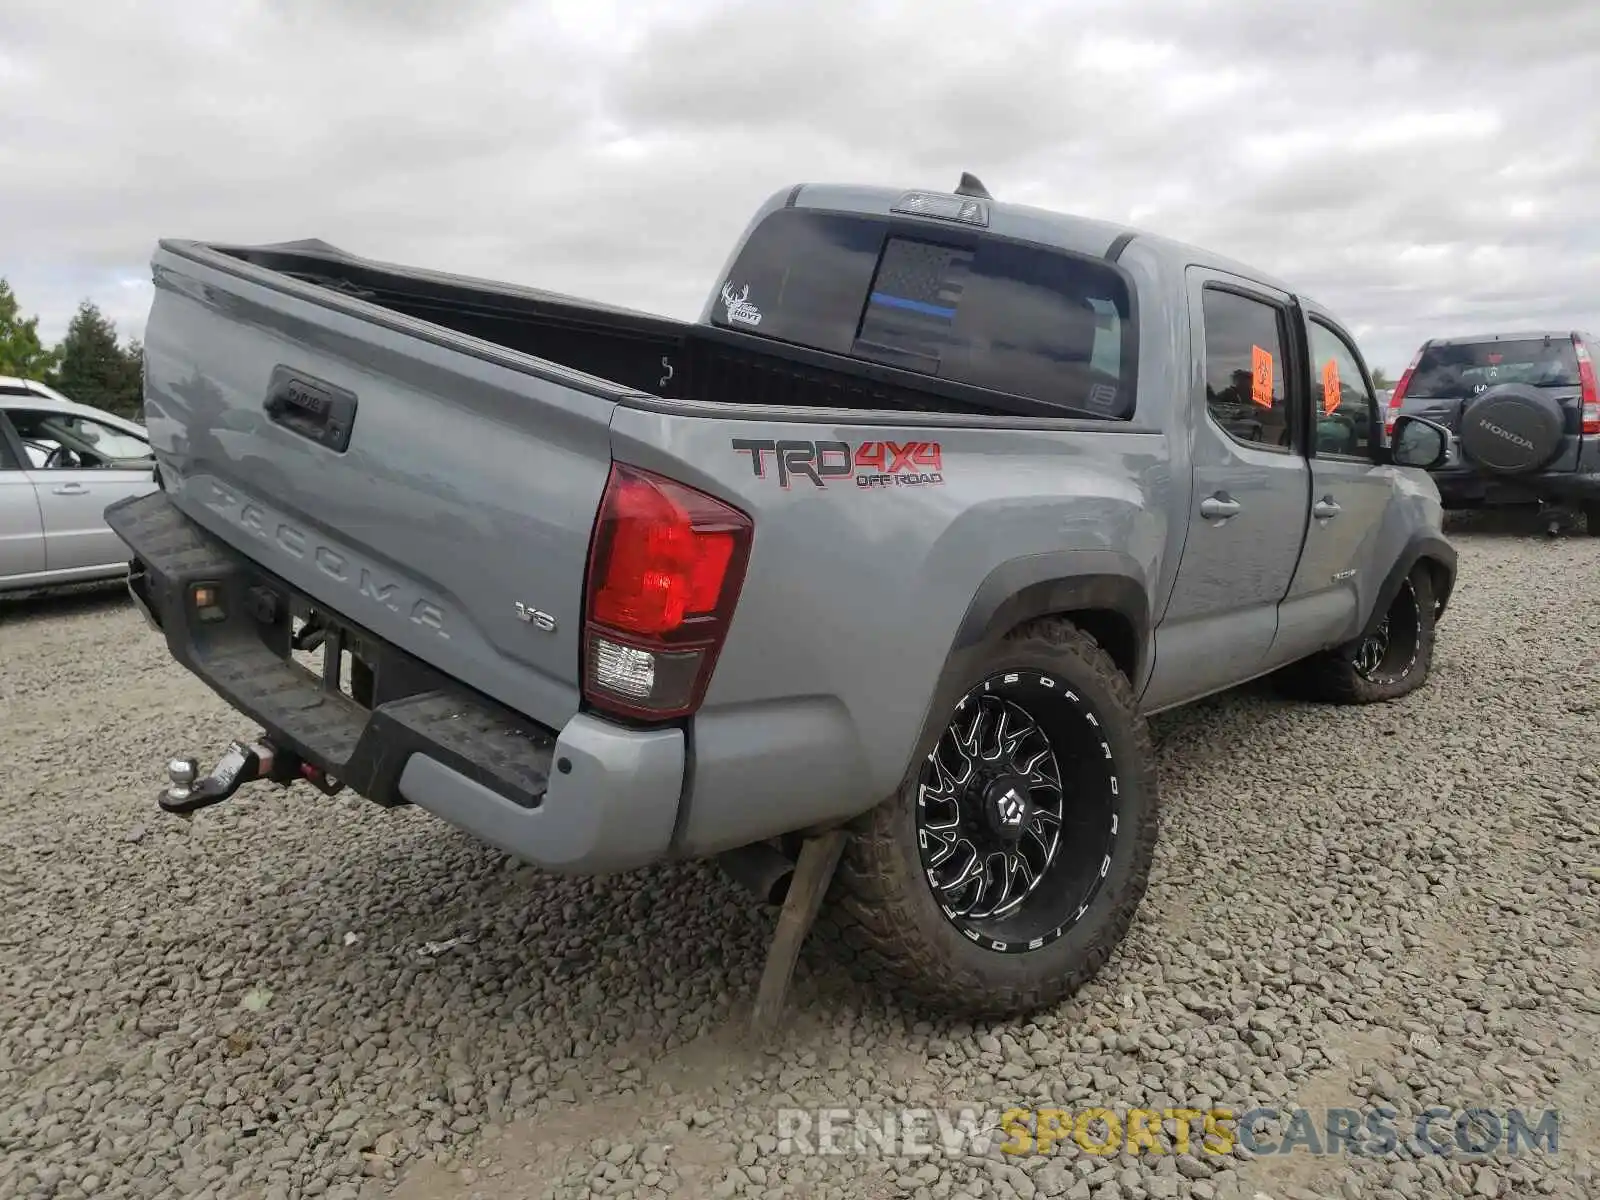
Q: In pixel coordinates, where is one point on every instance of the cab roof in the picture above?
(1048, 227)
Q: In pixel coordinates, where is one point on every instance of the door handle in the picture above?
(71, 489)
(1325, 509)
(1218, 507)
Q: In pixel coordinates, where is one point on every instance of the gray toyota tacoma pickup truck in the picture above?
(891, 552)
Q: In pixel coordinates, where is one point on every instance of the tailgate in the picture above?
(433, 488)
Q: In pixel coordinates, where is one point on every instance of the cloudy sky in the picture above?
(1423, 175)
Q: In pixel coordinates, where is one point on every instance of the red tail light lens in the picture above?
(1398, 396)
(1591, 393)
(665, 571)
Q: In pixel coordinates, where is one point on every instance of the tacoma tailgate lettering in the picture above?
(336, 565)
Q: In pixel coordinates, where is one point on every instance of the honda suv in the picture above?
(1523, 411)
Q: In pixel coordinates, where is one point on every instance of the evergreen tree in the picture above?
(94, 368)
(22, 354)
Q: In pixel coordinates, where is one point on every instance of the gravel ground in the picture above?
(294, 996)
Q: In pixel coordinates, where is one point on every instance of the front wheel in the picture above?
(1008, 867)
(1591, 518)
(1391, 661)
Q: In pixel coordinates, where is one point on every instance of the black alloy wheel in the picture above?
(1008, 864)
(1389, 652)
(1393, 659)
(1016, 821)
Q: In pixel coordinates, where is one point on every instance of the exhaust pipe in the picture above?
(761, 869)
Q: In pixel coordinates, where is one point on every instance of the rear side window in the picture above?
(1246, 384)
(1467, 368)
(968, 309)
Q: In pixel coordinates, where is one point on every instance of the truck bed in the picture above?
(424, 455)
(636, 351)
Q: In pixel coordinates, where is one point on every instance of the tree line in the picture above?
(89, 364)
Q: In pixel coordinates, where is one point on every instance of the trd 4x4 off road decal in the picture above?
(869, 465)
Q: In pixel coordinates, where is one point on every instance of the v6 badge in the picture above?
(539, 619)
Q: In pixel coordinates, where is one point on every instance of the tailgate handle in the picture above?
(313, 408)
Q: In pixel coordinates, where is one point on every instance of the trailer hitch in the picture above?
(187, 792)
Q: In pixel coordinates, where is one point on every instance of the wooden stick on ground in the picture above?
(818, 857)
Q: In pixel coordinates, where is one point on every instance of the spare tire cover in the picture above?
(1511, 429)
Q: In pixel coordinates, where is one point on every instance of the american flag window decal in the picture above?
(911, 309)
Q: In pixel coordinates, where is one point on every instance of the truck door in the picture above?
(1247, 517)
(1349, 495)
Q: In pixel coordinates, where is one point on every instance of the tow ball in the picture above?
(187, 791)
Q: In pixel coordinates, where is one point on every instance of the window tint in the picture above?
(1466, 369)
(802, 278)
(1245, 376)
(959, 307)
(1341, 404)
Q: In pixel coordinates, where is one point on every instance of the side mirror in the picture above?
(1419, 443)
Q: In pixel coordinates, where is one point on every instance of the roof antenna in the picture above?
(971, 185)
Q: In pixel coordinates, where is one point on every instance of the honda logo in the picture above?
(1515, 438)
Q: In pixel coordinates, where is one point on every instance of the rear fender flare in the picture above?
(1024, 589)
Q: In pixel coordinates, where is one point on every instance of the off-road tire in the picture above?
(1591, 518)
(883, 906)
(1332, 677)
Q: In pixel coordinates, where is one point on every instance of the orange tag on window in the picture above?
(1330, 386)
(1261, 376)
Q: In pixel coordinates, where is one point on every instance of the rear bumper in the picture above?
(1464, 487)
(588, 798)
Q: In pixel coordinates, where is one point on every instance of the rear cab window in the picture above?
(962, 307)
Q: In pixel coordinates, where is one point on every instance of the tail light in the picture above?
(665, 570)
(1591, 393)
(1398, 396)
